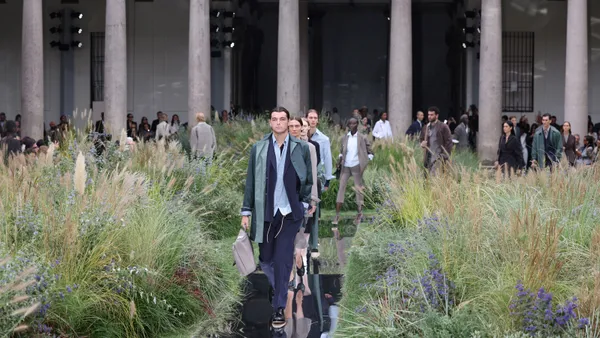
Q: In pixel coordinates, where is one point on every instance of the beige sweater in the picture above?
(203, 141)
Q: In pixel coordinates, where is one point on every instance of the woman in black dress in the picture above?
(510, 151)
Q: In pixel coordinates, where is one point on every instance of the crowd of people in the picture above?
(521, 146)
(290, 168)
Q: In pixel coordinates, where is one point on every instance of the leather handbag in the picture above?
(243, 254)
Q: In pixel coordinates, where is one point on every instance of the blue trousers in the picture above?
(276, 254)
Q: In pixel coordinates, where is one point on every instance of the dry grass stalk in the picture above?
(595, 245)
(541, 252)
(589, 299)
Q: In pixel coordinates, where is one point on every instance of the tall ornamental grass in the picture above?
(473, 254)
(115, 246)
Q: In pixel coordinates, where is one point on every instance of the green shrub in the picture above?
(488, 233)
(118, 252)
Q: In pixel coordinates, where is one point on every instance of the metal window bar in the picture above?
(97, 66)
(517, 71)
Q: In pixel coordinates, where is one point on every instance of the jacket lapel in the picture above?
(291, 147)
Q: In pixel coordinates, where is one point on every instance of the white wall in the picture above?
(550, 55)
(157, 38)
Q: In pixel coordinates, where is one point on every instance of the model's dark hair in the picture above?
(512, 127)
(279, 110)
(434, 109)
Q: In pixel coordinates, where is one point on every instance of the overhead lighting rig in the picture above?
(66, 30)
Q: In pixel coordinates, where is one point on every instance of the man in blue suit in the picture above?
(415, 127)
(277, 195)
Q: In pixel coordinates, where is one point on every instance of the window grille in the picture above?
(97, 66)
(517, 71)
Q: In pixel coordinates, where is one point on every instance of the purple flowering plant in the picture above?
(419, 291)
(536, 313)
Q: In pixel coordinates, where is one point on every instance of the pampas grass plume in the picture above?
(80, 174)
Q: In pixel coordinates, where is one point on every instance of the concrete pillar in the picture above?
(400, 67)
(304, 57)
(288, 57)
(490, 80)
(576, 76)
(115, 67)
(199, 60)
(32, 70)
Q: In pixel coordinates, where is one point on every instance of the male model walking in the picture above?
(277, 194)
(355, 154)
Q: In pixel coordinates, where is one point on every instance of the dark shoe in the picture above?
(292, 285)
(301, 271)
(301, 287)
(276, 333)
(278, 319)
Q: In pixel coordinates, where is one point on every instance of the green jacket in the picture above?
(255, 191)
(538, 151)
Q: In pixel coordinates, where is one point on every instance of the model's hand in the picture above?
(312, 209)
(245, 222)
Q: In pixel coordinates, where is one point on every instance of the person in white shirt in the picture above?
(383, 129)
(162, 129)
(355, 154)
(175, 124)
(202, 139)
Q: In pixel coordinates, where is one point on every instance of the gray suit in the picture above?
(203, 141)
(461, 135)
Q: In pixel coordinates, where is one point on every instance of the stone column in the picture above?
(288, 57)
(32, 70)
(199, 60)
(304, 57)
(400, 67)
(115, 67)
(490, 81)
(576, 76)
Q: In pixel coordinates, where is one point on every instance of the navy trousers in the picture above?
(276, 254)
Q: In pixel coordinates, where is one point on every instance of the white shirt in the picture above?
(351, 159)
(173, 128)
(162, 130)
(382, 129)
